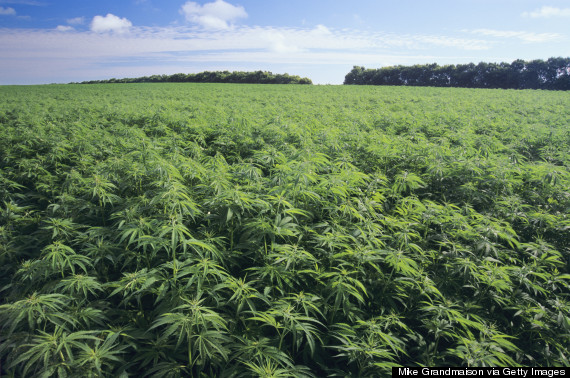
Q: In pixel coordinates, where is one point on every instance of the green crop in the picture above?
(168, 230)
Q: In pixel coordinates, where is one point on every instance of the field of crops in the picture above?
(170, 230)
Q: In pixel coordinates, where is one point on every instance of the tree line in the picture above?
(254, 77)
(553, 74)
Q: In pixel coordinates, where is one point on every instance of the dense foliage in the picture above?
(281, 231)
(553, 73)
(241, 77)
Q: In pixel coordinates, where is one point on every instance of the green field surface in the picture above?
(168, 230)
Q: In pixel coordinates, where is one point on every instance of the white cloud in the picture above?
(322, 29)
(64, 28)
(445, 41)
(110, 23)
(527, 37)
(76, 20)
(214, 15)
(150, 50)
(547, 12)
(277, 42)
(246, 44)
(7, 11)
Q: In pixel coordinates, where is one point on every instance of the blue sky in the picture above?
(59, 41)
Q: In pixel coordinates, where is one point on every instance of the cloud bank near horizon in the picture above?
(548, 12)
(213, 37)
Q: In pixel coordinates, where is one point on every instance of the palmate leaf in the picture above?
(204, 249)
(529, 280)
(407, 181)
(284, 226)
(89, 316)
(269, 156)
(101, 189)
(178, 232)
(37, 310)
(151, 349)
(266, 368)
(485, 352)
(61, 228)
(302, 328)
(400, 262)
(236, 203)
(133, 232)
(375, 333)
(173, 198)
(32, 272)
(495, 279)
(81, 285)
(368, 351)
(56, 350)
(168, 370)
(442, 316)
(247, 349)
(101, 250)
(292, 256)
(135, 284)
(362, 256)
(63, 257)
(198, 326)
(242, 293)
(276, 276)
(210, 347)
(288, 322)
(342, 287)
(104, 355)
(279, 201)
(268, 318)
(202, 272)
(306, 302)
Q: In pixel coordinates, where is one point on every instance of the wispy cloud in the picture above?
(527, 37)
(114, 47)
(241, 44)
(214, 15)
(110, 23)
(64, 28)
(7, 11)
(548, 12)
(76, 21)
(453, 42)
